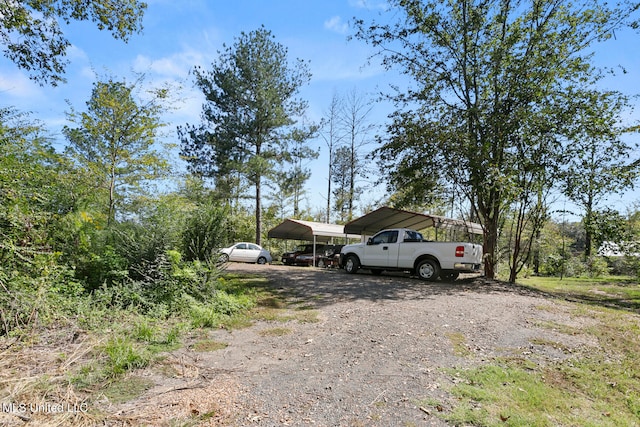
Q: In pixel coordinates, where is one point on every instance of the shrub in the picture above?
(204, 232)
(41, 293)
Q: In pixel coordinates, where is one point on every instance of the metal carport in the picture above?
(297, 229)
(386, 217)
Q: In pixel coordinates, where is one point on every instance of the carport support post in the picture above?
(313, 260)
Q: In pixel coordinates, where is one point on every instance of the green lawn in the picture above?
(594, 386)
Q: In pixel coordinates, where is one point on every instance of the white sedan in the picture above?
(245, 252)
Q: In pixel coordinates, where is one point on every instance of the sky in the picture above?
(178, 35)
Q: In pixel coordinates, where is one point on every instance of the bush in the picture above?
(223, 305)
(43, 292)
(205, 232)
(624, 265)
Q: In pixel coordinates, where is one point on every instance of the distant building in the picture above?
(613, 249)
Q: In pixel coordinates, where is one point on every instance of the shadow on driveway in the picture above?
(321, 287)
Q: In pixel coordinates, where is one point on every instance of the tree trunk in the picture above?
(258, 213)
(112, 197)
(490, 240)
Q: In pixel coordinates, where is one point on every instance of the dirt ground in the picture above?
(373, 357)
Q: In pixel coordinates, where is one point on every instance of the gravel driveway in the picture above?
(375, 355)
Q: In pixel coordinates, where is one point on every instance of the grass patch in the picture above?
(549, 343)
(596, 387)
(610, 291)
(209, 345)
(307, 316)
(269, 314)
(126, 388)
(459, 343)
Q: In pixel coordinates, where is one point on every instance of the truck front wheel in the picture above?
(428, 269)
(351, 264)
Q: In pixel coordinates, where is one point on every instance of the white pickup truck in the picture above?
(405, 250)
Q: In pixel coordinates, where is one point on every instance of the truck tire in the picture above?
(428, 269)
(351, 264)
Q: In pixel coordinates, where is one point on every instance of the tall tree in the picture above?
(32, 38)
(332, 136)
(114, 138)
(346, 192)
(27, 187)
(488, 77)
(357, 130)
(291, 182)
(249, 112)
(598, 162)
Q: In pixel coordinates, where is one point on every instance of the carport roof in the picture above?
(386, 217)
(296, 229)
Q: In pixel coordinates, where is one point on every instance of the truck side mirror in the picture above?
(370, 241)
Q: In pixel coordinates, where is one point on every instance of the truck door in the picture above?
(382, 250)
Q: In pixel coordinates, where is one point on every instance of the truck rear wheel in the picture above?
(351, 264)
(428, 269)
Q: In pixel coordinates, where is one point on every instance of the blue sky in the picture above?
(178, 35)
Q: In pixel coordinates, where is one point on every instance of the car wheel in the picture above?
(321, 263)
(428, 269)
(223, 258)
(351, 264)
(262, 260)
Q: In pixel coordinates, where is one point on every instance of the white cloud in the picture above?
(177, 65)
(18, 86)
(337, 25)
(369, 4)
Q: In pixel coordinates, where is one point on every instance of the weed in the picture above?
(123, 355)
(204, 316)
(144, 330)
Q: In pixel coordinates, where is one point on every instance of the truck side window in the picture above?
(385, 237)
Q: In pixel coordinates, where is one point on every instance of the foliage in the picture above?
(248, 116)
(205, 232)
(124, 355)
(29, 196)
(40, 294)
(114, 140)
(597, 162)
(345, 193)
(606, 225)
(290, 183)
(33, 39)
(494, 97)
